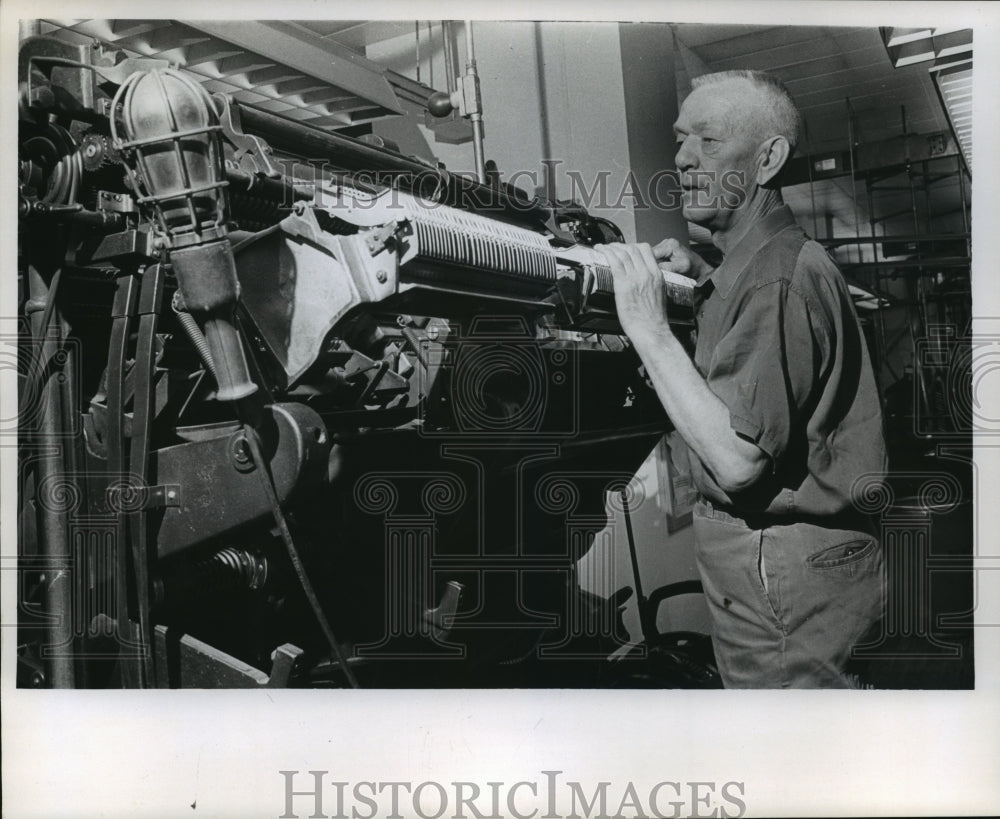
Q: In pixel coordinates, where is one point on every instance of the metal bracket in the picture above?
(162, 496)
(587, 285)
(380, 238)
(568, 294)
(184, 661)
(129, 247)
(116, 202)
(283, 660)
(253, 154)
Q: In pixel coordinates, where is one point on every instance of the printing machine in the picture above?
(297, 409)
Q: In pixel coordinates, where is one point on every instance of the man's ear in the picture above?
(773, 155)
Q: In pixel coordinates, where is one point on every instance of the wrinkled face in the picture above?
(717, 144)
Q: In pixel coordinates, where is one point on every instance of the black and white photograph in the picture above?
(588, 413)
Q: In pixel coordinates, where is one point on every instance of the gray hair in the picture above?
(779, 117)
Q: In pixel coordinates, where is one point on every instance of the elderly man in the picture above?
(779, 409)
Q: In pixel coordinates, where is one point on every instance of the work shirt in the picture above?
(779, 342)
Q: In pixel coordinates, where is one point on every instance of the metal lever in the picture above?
(465, 99)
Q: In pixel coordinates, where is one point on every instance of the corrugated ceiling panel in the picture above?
(232, 67)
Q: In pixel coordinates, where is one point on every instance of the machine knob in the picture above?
(440, 104)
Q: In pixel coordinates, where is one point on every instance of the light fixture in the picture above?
(908, 46)
(954, 87)
(949, 52)
(171, 143)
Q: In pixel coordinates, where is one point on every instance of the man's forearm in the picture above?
(700, 416)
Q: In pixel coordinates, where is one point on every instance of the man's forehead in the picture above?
(717, 105)
(702, 123)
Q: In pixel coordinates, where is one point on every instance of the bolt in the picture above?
(382, 277)
(241, 451)
(171, 495)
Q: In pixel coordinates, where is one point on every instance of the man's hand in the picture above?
(640, 294)
(674, 256)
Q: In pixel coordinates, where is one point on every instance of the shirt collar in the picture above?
(734, 263)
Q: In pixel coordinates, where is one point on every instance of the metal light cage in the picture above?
(136, 152)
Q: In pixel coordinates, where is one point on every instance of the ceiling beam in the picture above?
(308, 53)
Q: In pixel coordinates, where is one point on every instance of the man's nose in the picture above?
(685, 159)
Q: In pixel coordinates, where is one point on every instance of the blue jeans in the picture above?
(788, 601)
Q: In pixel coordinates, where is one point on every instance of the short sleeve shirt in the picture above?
(778, 340)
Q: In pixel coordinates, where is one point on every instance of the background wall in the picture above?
(571, 110)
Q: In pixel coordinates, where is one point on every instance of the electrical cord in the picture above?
(286, 535)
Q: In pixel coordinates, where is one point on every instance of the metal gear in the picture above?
(96, 151)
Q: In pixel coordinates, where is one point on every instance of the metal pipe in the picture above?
(416, 31)
(918, 371)
(882, 345)
(300, 139)
(883, 353)
(477, 147)
(812, 190)
(961, 194)
(854, 181)
(51, 474)
(476, 116)
(430, 48)
(470, 48)
(917, 311)
(871, 220)
(283, 190)
(897, 237)
(925, 187)
(913, 208)
(648, 628)
(82, 572)
(304, 140)
(921, 264)
(872, 283)
(448, 46)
